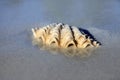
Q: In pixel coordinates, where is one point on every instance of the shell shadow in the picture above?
(84, 31)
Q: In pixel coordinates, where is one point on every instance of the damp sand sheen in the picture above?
(70, 39)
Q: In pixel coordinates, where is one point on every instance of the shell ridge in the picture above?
(64, 35)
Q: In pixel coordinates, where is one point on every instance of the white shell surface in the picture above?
(64, 36)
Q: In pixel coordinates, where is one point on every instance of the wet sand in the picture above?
(20, 60)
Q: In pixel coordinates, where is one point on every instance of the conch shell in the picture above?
(64, 36)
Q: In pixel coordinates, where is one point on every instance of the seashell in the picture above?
(64, 36)
(54, 39)
(66, 39)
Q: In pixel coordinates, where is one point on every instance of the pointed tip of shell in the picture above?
(33, 31)
(96, 44)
